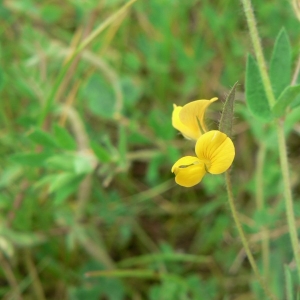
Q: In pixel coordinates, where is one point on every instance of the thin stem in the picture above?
(97, 251)
(36, 282)
(260, 204)
(296, 72)
(288, 195)
(296, 7)
(11, 279)
(244, 240)
(258, 51)
(279, 129)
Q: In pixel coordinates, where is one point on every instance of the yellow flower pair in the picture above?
(214, 149)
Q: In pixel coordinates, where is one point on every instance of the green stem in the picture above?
(279, 129)
(260, 204)
(258, 51)
(244, 240)
(288, 194)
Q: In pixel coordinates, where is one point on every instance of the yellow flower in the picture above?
(215, 153)
(189, 119)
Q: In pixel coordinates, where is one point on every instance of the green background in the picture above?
(91, 189)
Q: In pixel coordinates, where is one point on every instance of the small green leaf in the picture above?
(66, 191)
(9, 175)
(64, 139)
(160, 124)
(280, 65)
(60, 180)
(22, 238)
(83, 164)
(30, 159)
(51, 13)
(296, 102)
(100, 97)
(255, 94)
(43, 138)
(153, 169)
(228, 112)
(100, 152)
(61, 162)
(285, 99)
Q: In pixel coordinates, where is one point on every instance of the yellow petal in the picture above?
(177, 124)
(216, 150)
(189, 171)
(187, 119)
(192, 115)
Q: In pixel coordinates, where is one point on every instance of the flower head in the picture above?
(189, 119)
(215, 153)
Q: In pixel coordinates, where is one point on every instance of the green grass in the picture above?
(85, 181)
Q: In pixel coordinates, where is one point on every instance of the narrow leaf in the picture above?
(228, 112)
(280, 65)
(285, 99)
(100, 152)
(60, 162)
(30, 159)
(43, 138)
(60, 180)
(64, 139)
(255, 94)
(83, 164)
(296, 102)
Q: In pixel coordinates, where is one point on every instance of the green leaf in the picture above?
(83, 164)
(280, 65)
(160, 124)
(22, 238)
(228, 112)
(62, 194)
(61, 162)
(296, 102)
(43, 138)
(60, 180)
(51, 13)
(153, 169)
(131, 92)
(100, 97)
(255, 94)
(100, 152)
(285, 99)
(64, 139)
(30, 159)
(9, 175)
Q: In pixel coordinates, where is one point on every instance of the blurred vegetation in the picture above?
(91, 189)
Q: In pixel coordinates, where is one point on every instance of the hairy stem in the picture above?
(244, 239)
(288, 195)
(260, 204)
(279, 129)
(258, 51)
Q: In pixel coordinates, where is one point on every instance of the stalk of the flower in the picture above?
(279, 129)
(258, 51)
(244, 239)
(260, 204)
